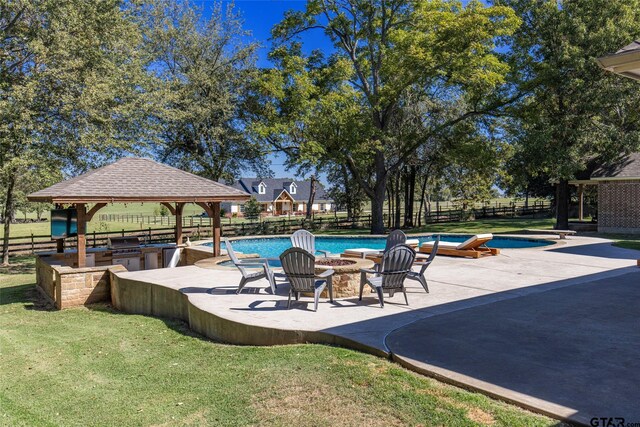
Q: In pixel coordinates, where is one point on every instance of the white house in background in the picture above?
(280, 196)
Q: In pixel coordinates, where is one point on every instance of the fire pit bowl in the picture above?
(346, 279)
(334, 262)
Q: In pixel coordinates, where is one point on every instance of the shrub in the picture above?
(252, 209)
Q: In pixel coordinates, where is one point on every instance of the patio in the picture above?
(207, 301)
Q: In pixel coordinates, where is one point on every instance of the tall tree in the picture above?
(312, 196)
(383, 50)
(203, 66)
(345, 192)
(70, 88)
(575, 115)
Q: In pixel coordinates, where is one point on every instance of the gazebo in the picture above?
(625, 62)
(130, 180)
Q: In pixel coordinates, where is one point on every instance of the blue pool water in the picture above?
(272, 247)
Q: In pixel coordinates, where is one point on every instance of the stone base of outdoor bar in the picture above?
(66, 287)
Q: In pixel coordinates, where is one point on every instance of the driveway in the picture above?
(572, 352)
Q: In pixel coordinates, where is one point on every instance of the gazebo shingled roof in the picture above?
(137, 179)
(132, 179)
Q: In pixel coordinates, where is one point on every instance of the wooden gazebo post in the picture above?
(213, 210)
(83, 217)
(215, 225)
(580, 202)
(81, 208)
(179, 208)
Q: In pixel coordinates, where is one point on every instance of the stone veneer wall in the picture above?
(619, 206)
(191, 255)
(70, 287)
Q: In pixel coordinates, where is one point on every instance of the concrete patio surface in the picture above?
(509, 293)
(572, 352)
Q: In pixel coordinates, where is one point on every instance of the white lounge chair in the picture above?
(474, 247)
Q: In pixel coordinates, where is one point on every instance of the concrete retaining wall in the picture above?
(137, 297)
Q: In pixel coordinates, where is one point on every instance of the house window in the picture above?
(262, 189)
(292, 188)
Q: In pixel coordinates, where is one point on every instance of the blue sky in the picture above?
(259, 17)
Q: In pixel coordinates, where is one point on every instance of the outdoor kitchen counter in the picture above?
(103, 256)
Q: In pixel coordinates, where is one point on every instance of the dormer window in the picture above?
(262, 189)
(292, 188)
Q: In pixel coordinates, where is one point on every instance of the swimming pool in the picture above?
(272, 247)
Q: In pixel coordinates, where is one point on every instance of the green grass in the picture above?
(496, 226)
(93, 365)
(147, 209)
(628, 244)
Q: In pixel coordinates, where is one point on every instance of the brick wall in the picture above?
(619, 206)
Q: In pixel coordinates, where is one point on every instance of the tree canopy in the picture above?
(412, 98)
(388, 56)
(70, 92)
(203, 68)
(573, 116)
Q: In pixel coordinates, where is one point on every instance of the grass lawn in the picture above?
(90, 366)
(497, 226)
(628, 244)
(145, 210)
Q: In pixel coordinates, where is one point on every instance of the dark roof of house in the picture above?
(136, 179)
(275, 187)
(625, 167)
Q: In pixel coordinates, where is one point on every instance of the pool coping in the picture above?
(553, 243)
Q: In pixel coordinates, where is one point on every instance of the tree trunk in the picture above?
(397, 206)
(7, 216)
(422, 193)
(562, 205)
(312, 196)
(348, 200)
(377, 208)
(409, 194)
(389, 204)
(379, 193)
